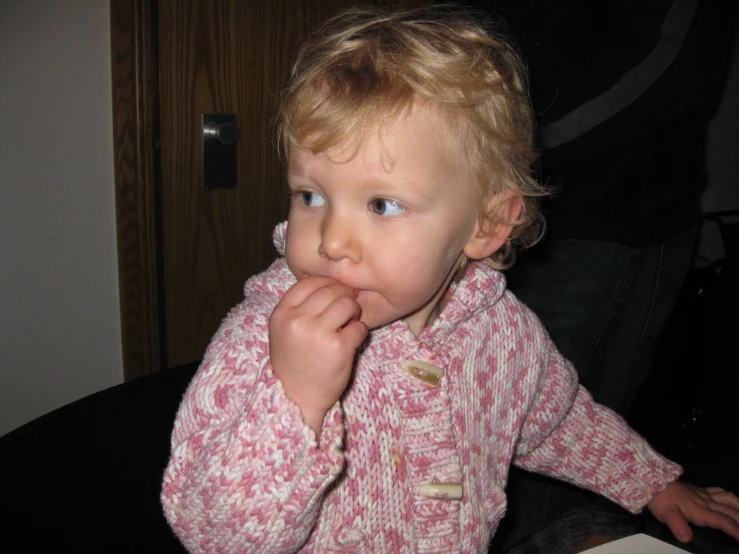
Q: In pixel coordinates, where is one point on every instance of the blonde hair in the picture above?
(365, 67)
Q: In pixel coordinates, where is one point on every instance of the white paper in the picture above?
(636, 544)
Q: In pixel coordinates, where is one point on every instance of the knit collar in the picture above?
(479, 287)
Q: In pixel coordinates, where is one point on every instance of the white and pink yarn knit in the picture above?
(246, 474)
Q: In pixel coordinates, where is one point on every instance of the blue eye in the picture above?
(383, 206)
(312, 200)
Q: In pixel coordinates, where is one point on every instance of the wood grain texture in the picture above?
(216, 57)
(134, 104)
(229, 56)
(185, 253)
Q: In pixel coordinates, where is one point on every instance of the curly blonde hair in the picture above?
(365, 67)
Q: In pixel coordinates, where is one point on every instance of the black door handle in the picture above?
(220, 135)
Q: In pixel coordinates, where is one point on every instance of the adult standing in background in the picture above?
(624, 92)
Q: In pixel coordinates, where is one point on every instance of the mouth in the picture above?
(358, 290)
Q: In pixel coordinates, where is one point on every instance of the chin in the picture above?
(371, 322)
(377, 322)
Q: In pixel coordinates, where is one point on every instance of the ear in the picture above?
(492, 230)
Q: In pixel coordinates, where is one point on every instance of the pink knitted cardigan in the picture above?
(246, 474)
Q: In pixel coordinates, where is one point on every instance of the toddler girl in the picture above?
(373, 388)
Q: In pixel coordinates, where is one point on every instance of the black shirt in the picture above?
(623, 91)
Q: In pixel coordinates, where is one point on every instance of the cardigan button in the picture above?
(441, 491)
(424, 371)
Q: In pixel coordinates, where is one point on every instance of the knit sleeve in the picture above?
(246, 473)
(568, 436)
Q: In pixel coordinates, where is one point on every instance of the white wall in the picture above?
(59, 314)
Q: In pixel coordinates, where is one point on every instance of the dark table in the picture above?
(603, 522)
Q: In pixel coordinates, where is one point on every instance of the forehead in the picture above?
(421, 135)
(407, 163)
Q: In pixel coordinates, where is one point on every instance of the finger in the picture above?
(300, 291)
(702, 493)
(724, 497)
(718, 520)
(679, 526)
(340, 312)
(321, 300)
(726, 509)
(353, 333)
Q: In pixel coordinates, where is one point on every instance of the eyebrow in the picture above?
(298, 171)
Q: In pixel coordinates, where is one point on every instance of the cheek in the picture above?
(296, 246)
(421, 272)
(430, 263)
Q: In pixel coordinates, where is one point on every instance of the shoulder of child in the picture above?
(270, 285)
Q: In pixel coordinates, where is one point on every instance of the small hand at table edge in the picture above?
(681, 504)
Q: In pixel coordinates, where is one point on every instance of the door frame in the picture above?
(135, 86)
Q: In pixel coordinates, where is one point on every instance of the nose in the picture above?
(339, 239)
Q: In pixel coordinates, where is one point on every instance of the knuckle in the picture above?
(295, 327)
(347, 303)
(336, 345)
(703, 519)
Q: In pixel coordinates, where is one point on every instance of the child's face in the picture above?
(391, 222)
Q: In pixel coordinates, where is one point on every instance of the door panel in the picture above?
(220, 56)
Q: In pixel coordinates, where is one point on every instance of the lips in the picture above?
(357, 289)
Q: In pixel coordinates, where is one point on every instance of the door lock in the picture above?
(220, 135)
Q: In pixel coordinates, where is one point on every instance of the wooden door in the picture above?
(185, 252)
(218, 57)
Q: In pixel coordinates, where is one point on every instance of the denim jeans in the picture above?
(604, 305)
